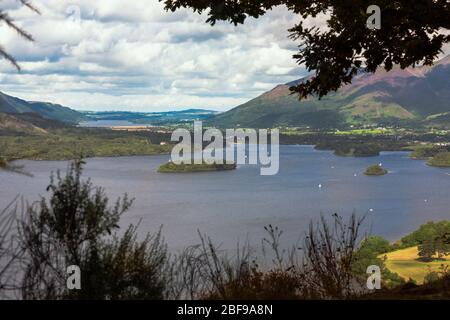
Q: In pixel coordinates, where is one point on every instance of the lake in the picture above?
(235, 205)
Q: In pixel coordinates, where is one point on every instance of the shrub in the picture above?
(77, 227)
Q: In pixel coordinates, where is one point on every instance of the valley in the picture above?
(377, 112)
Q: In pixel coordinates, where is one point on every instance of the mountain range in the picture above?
(18, 116)
(17, 107)
(412, 96)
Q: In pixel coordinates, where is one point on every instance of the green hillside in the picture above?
(411, 96)
(12, 105)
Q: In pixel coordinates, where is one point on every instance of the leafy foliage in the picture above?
(442, 159)
(10, 250)
(431, 238)
(375, 170)
(368, 253)
(76, 227)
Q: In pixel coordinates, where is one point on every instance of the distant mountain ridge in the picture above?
(12, 105)
(411, 96)
(9, 123)
(154, 118)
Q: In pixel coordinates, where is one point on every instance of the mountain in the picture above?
(9, 123)
(12, 105)
(413, 96)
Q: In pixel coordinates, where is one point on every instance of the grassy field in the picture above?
(404, 262)
(69, 146)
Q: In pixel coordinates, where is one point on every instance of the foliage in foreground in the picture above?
(77, 227)
(4, 17)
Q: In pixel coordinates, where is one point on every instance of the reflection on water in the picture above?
(236, 205)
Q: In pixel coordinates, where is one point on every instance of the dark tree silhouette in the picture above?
(76, 226)
(411, 33)
(4, 17)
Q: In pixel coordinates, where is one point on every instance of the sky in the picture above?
(135, 56)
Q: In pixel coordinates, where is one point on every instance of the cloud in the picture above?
(118, 54)
(121, 54)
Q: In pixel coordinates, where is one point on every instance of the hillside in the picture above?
(11, 124)
(411, 96)
(12, 105)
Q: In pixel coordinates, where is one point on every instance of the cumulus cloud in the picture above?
(118, 54)
(133, 55)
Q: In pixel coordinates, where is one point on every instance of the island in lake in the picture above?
(171, 167)
(375, 170)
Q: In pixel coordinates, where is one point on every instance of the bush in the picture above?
(10, 251)
(76, 227)
(431, 277)
(369, 252)
(441, 159)
(431, 238)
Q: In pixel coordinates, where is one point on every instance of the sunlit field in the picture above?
(405, 263)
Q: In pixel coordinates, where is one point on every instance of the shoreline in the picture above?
(408, 152)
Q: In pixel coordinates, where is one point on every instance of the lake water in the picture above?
(235, 205)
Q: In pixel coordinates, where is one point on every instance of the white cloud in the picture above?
(121, 54)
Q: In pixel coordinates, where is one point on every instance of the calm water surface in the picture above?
(236, 205)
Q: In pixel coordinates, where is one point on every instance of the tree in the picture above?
(4, 17)
(76, 227)
(370, 253)
(427, 249)
(431, 238)
(410, 34)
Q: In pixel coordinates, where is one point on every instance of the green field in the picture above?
(69, 145)
(405, 263)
